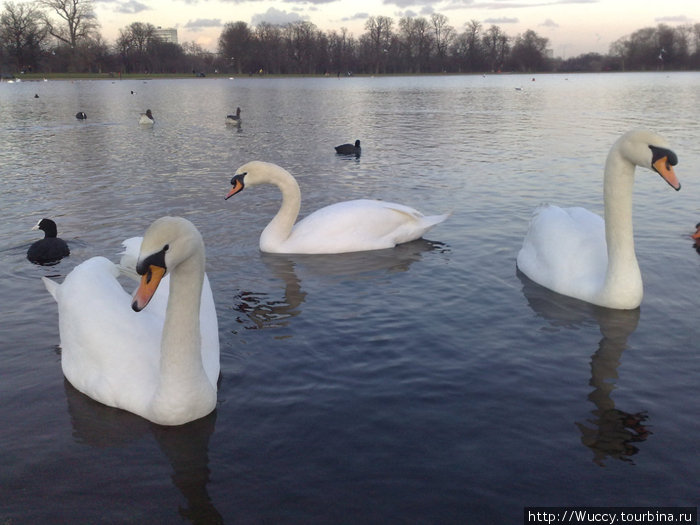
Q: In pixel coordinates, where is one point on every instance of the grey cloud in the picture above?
(131, 7)
(549, 23)
(493, 4)
(201, 23)
(501, 20)
(315, 2)
(426, 10)
(276, 17)
(681, 19)
(356, 16)
(402, 3)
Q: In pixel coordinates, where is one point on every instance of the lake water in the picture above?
(426, 384)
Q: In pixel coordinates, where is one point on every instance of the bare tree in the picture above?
(341, 49)
(468, 49)
(93, 55)
(416, 41)
(268, 48)
(643, 49)
(78, 20)
(529, 51)
(496, 47)
(301, 41)
(444, 34)
(695, 38)
(234, 44)
(672, 46)
(684, 34)
(378, 38)
(621, 50)
(135, 43)
(195, 56)
(22, 34)
(473, 51)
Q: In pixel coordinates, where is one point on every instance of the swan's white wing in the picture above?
(565, 250)
(358, 225)
(129, 257)
(108, 351)
(209, 327)
(116, 366)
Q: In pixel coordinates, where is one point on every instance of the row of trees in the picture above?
(63, 36)
(430, 45)
(420, 45)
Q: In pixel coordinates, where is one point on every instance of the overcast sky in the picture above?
(572, 26)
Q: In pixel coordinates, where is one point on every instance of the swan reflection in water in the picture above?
(186, 447)
(264, 311)
(610, 432)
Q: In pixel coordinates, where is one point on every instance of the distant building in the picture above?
(166, 35)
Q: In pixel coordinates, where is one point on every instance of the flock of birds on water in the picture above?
(146, 119)
(163, 364)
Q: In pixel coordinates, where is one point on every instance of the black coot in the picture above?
(50, 249)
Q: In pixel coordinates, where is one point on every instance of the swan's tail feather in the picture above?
(433, 220)
(130, 256)
(51, 286)
(429, 222)
(417, 229)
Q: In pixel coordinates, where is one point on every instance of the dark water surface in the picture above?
(427, 384)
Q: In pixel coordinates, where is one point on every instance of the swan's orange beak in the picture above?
(237, 186)
(663, 167)
(696, 235)
(148, 286)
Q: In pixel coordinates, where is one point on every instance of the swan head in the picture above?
(167, 242)
(649, 150)
(251, 174)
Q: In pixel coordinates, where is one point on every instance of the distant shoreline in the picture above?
(38, 77)
(30, 77)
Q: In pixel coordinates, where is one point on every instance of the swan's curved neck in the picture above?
(183, 384)
(623, 281)
(279, 228)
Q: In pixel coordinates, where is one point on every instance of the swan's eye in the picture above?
(166, 248)
(238, 177)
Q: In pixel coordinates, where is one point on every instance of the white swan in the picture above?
(350, 226)
(162, 363)
(574, 252)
